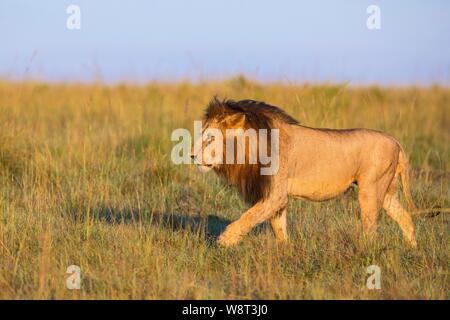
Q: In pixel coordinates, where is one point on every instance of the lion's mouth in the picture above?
(205, 165)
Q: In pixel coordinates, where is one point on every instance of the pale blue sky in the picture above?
(290, 40)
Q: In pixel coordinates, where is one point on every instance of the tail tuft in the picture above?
(431, 212)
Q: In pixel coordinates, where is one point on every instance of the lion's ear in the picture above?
(238, 120)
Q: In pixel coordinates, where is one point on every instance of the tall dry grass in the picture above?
(86, 179)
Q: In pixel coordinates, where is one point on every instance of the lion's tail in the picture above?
(404, 174)
(404, 169)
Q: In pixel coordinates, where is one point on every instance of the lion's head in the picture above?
(238, 123)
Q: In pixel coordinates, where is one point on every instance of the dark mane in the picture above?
(256, 112)
(258, 115)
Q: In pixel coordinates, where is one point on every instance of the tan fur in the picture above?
(316, 165)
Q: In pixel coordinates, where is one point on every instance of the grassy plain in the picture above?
(86, 179)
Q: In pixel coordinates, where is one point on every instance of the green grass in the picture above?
(86, 179)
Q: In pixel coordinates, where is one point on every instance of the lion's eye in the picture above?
(209, 137)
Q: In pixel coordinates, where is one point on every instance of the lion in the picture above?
(315, 164)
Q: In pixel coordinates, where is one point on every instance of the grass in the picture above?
(86, 179)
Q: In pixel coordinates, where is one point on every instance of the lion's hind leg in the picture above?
(395, 210)
(279, 226)
(371, 195)
(367, 197)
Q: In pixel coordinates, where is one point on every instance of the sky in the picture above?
(283, 40)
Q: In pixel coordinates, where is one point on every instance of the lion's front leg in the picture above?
(278, 223)
(255, 215)
(232, 235)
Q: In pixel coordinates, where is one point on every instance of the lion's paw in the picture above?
(228, 239)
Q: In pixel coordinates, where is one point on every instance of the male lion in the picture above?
(314, 164)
